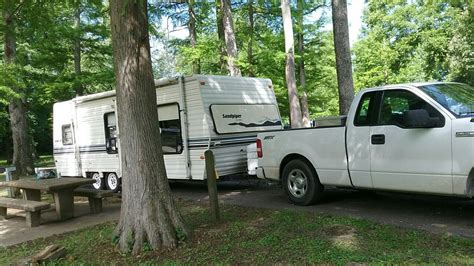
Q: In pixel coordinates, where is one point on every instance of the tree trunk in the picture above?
(304, 96)
(230, 43)
(251, 31)
(79, 88)
(343, 55)
(220, 36)
(148, 212)
(193, 35)
(22, 145)
(295, 110)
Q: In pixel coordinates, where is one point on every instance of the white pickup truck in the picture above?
(411, 138)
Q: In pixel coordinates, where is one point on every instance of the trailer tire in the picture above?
(301, 183)
(99, 181)
(112, 182)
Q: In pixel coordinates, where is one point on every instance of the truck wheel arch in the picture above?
(288, 158)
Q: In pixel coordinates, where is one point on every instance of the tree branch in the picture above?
(15, 10)
(314, 9)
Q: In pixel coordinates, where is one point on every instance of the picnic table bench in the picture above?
(61, 188)
(32, 209)
(94, 197)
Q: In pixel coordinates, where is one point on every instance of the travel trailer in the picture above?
(195, 113)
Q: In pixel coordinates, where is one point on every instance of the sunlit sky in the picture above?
(354, 13)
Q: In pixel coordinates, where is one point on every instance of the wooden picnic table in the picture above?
(61, 188)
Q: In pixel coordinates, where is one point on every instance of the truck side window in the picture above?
(170, 128)
(67, 134)
(365, 114)
(396, 102)
(110, 123)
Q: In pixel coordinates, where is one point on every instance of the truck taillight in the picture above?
(259, 148)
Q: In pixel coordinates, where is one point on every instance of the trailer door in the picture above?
(172, 140)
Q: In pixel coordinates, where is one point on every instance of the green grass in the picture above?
(43, 161)
(256, 236)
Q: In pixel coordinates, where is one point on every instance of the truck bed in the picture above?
(328, 157)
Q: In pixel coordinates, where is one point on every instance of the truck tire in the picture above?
(301, 183)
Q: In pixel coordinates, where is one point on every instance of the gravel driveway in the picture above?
(441, 215)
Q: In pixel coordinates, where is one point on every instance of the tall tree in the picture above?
(343, 55)
(230, 42)
(193, 34)
(301, 70)
(295, 110)
(251, 14)
(79, 88)
(220, 35)
(151, 216)
(22, 144)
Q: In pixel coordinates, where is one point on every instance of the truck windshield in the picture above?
(457, 98)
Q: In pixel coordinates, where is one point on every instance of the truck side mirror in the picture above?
(419, 118)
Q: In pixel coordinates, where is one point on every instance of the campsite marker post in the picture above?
(212, 184)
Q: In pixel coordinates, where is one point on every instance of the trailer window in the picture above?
(170, 128)
(67, 135)
(110, 123)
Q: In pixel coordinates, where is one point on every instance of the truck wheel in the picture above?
(99, 181)
(301, 183)
(113, 182)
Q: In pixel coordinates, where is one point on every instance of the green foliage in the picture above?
(407, 41)
(43, 72)
(402, 41)
(268, 57)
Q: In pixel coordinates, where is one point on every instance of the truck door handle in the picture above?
(378, 139)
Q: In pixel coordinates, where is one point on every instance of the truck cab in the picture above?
(410, 137)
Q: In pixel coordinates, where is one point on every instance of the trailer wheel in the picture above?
(113, 182)
(301, 183)
(99, 181)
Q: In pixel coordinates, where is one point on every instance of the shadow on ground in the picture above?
(436, 214)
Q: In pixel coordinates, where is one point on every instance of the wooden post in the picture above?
(212, 184)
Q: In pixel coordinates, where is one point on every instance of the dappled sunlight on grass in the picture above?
(256, 236)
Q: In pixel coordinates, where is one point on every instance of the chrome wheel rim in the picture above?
(297, 183)
(98, 181)
(112, 181)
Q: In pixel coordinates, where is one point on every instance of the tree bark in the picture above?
(79, 88)
(22, 144)
(230, 42)
(220, 36)
(304, 96)
(251, 31)
(295, 110)
(148, 212)
(193, 35)
(343, 55)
